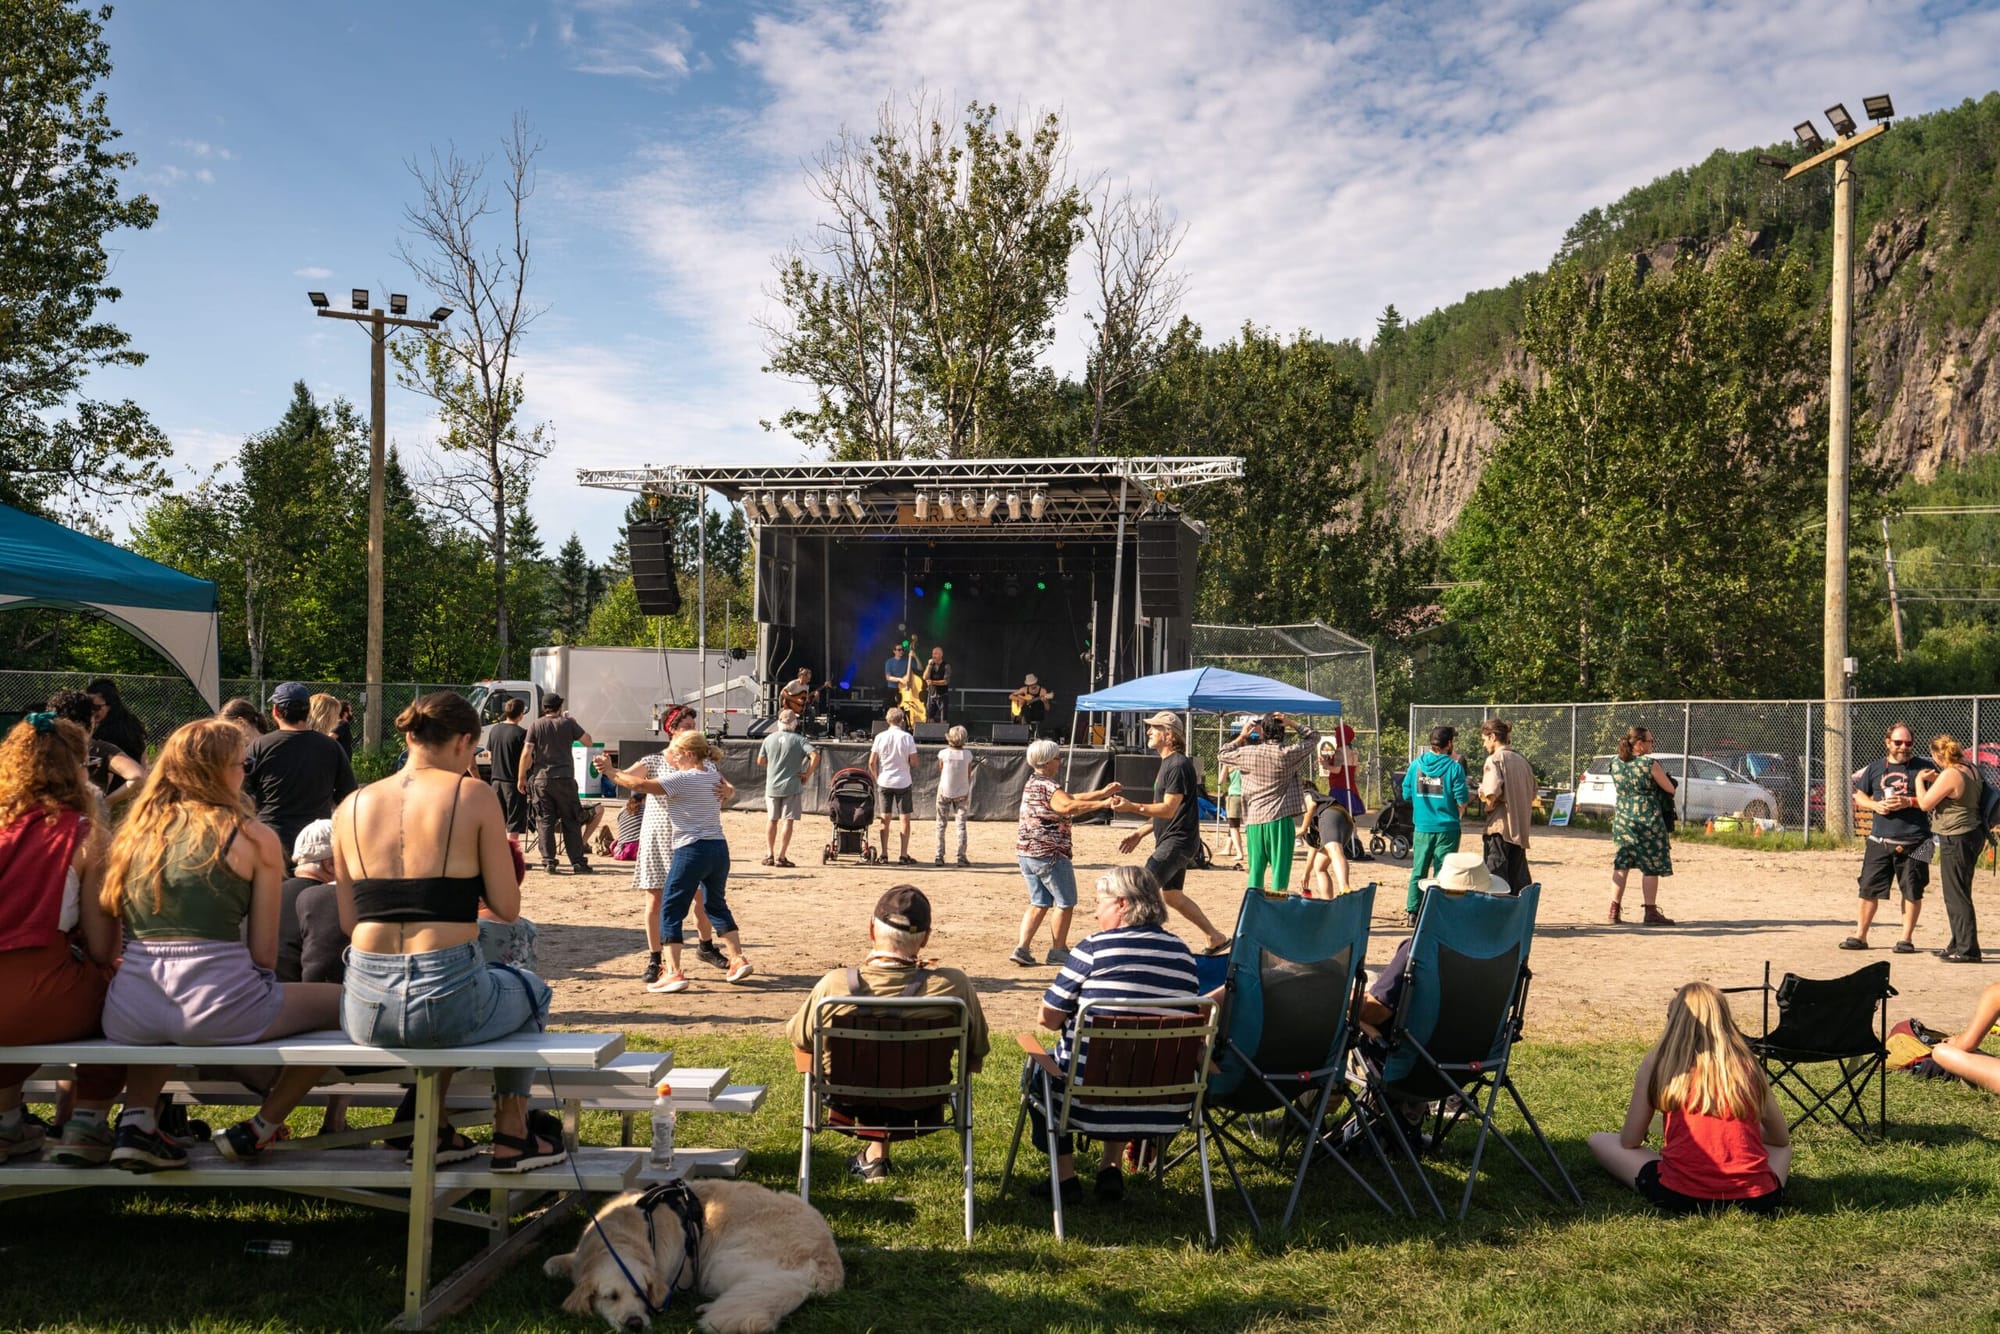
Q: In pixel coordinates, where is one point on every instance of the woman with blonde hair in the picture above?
(414, 857)
(690, 795)
(1951, 795)
(52, 850)
(323, 713)
(1723, 1140)
(189, 868)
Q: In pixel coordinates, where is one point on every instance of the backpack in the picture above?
(1989, 799)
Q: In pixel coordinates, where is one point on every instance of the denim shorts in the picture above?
(441, 998)
(1051, 881)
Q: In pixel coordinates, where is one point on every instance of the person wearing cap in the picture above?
(1176, 824)
(293, 774)
(788, 761)
(1031, 702)
(897, 934)
(546, 775)
(1436, 790)
(1507, 788)
(1273, 796)
(1457, 874)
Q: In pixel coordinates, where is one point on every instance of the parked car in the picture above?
(1769, 769)
(1709, 790)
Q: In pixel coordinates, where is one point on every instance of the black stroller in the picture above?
(1395, 824)
(851, 806)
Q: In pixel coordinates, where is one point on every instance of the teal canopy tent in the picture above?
(44, 564)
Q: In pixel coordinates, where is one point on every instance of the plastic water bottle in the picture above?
(269, 1250)
(662, 1155)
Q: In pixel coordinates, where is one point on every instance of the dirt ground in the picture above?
(1733, 910)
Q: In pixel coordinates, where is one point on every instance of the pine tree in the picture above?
(574, 579)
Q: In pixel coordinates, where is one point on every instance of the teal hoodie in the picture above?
(1435, 788)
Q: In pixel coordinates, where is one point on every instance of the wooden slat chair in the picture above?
(889, 1054)
(1122, 1057)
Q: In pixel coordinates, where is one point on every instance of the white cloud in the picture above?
(313, 272)
(202, 148)
(607, 37)
(204, 175)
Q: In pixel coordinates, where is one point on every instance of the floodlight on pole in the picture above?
(812, 503)
(318, 300)
(441, 314)
(1808, 136)
(1773, 161)
(853, 504)
(399, 304)
(1836, 116)
(358, 298)
(1878, 107)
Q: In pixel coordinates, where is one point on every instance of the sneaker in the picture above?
(1072, 1191)
(1410, 921)
(1058, 957)
(23, 1138)
(82, 1145)
(938, 860)
(1022, 957)
(668, 984)
(240, 1144)
(863, 1168)
(906, 860)
(965, 861)
(652, 973)
(1110, 1185)
(709, 952)
(739, 971)
(549, 868)
(583, 868)
(1968, 956)
(139, 1150)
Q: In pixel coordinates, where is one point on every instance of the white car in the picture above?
(1709, 790)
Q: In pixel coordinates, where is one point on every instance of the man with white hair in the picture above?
(897, 934)
(789, 762)
(310, 941)
(890, 761)
(1042, 846)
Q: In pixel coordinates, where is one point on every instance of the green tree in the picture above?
(1644, 527)
(577, 588)
(933, 284)
(530, 579)
(60, 452)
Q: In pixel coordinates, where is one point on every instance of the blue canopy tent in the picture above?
(1208, 690)
(44, 564)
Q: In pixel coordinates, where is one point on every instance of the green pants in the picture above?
(1269, 846)
(1426, 855)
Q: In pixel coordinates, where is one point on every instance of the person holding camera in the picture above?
(1271, 755)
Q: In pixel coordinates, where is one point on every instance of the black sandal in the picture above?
(526, 1156)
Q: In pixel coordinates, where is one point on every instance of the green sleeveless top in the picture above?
(1959, 814)
(200, 897)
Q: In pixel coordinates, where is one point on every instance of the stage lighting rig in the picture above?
(791, 504)
(812, 503)
(853, 504)
(1038, 505)
(923, 506)
(1014, 504)
(992, 503)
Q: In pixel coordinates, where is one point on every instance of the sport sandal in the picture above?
(528, 1154)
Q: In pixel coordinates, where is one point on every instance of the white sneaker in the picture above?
(668, 984)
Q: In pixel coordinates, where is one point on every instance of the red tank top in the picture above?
(1715, 1157)
(35, 854)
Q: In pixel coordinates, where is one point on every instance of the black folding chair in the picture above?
(1842, 1022)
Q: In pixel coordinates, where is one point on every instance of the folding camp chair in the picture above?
(898, 1069)
(1287, 1008)
(1465, 994)
(1843, 1022)
(1150, 1056)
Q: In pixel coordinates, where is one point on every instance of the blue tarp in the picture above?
(1208, 690)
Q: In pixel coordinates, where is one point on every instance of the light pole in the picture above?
(376, 325)
(1836, 667)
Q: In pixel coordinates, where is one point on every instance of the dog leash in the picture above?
(679, 1199)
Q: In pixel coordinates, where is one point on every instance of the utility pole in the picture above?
(1836, 667)
(1889, 568)
(377, 325)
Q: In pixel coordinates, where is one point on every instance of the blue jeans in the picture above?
(1051, 881)
(701, 865)
(441, 998)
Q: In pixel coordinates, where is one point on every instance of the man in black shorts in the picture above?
(1176, 827)
(1899, 837)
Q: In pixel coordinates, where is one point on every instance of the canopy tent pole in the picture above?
(1117, 579)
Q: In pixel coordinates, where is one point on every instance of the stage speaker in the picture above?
(1166, 568)
(653, 577)
(1012, 734)
(930, 731)
(878, 726)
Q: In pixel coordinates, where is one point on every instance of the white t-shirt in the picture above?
(894, 750)
(954, 773)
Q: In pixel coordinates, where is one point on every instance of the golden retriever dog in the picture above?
(761, 1255)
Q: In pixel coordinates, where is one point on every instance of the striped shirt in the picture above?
(1127, 963)
(693, 802)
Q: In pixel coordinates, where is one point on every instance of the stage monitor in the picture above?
(1012, 734)
(930, 731)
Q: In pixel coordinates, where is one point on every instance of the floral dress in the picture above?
(1636, 823)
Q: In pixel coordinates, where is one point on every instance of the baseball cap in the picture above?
(291, 692)
(1164, 718)
(314, 843)
(905, 908)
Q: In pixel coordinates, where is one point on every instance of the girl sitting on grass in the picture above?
(1724, 1141)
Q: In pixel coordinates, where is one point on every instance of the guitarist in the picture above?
(799, 696)
(1031, 703)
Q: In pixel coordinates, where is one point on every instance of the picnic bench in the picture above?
(579, 1070)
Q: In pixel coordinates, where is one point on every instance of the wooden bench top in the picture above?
(603, 1169)
(554, 1051)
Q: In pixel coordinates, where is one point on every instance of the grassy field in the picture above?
(1904, 1235)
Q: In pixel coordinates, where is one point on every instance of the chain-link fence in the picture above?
(163, 703)
(1312, 657)
(1760, 758)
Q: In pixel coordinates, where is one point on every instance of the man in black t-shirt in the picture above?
(503, 753)
(937, 684)
(1176, 828)
(1897, 851)
(550, 781)
(294, 774)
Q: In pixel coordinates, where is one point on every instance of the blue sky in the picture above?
(1328, 159)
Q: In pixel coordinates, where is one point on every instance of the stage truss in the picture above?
(1312, 656)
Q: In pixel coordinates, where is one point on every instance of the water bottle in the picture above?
(269, 1250)
(662, 1155)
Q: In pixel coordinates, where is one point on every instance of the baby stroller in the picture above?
(851, 805)
(1395, 825)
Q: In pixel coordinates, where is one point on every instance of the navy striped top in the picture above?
(1126, 963)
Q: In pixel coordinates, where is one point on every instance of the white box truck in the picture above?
(616, 694)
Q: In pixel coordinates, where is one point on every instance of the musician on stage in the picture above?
(801, 697)
(1031, 703)
(937, 681)
(895, 670)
